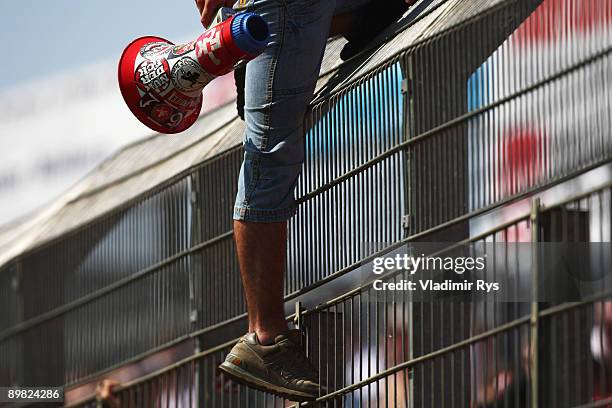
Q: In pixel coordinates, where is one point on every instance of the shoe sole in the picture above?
(243, 377)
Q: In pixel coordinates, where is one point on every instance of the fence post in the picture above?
(297, 321)
(406, 65)
(408, 221)
(17, 368)
(194, 315)
(534, 218)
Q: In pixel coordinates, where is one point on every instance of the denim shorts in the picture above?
(279, 87)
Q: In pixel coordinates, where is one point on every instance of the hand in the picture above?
(208, 8)
(104, 392)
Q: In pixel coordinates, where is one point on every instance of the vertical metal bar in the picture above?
(534, 321)
(18, 373)
(194, 318)
(352, 349)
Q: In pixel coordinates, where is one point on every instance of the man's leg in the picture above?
(261, 246)
(261, 249)
(279, 86)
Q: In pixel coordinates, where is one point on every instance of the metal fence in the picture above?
(487, 110)
(475, 353)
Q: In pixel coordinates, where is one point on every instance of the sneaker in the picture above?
(280, 368)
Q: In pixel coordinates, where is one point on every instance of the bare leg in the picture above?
(261, 249)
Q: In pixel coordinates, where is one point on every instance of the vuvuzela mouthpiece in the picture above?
(250, 33)
(162, 83)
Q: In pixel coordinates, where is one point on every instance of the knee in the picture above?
(265, 190)
(276, 129)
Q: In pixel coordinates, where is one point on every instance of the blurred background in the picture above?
(61, 112)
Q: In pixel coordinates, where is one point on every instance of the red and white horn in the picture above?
(162, 83)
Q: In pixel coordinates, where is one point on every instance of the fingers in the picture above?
(104, 389)
(209, 10)
(200, 5)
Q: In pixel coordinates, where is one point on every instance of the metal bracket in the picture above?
(16, 280)
(535, 311)
(297, 318)
(407, 221)
(297, 321)
(406, 86)
(193, 316)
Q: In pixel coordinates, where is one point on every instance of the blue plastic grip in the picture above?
(250, 33)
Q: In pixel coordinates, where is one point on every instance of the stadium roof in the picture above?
(140, 166)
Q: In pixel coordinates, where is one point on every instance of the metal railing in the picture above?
(368, 354)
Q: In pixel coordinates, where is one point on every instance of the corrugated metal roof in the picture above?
(144, 154)
(129, 173)
(99, 200)
(141, 166)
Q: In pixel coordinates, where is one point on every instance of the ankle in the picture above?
(267, 335)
